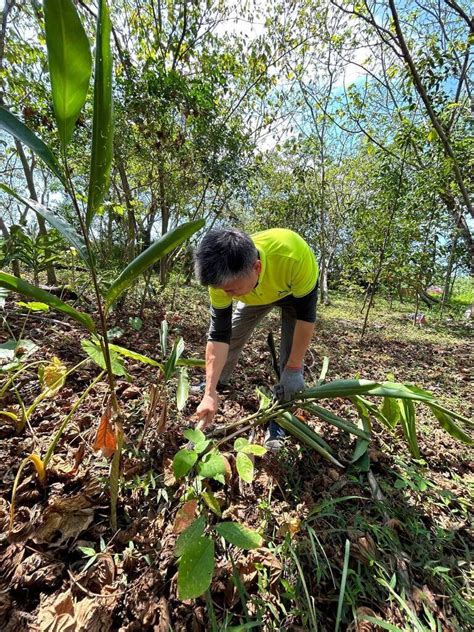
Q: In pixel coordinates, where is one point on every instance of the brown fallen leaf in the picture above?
(37, 570)
(66, 516)
(169, 478)
(132, 392)
(61, 613)
(164, 621)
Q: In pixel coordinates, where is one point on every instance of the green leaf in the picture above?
(57, 222)
(244, 467)
(87, 550)
(189, 536)
(164, 337)
(264, 400)
(95, 353)
(407, 421)
(256, 449)
(114, 332)
(102, 124)
(159, 249)
(183, 462)
(134, 355)
(191, 362)
(176, 351)
(340, 388)
(211, 465)
(391, 411)
(21, 132)
(239, 535)
(453, 429)
(212, 502)
(17, 348)
(70, 62)
(182, 391)
(34, 306)
(195, 569)
(240, 443)
(136, 322)
(15, 284)
(194, 435)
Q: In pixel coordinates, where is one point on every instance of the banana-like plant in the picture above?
(397, 409)
(70, 69)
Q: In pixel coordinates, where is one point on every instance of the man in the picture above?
(273, 268)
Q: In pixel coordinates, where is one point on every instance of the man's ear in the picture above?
(258, 266)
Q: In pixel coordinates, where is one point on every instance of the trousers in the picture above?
(244, 320)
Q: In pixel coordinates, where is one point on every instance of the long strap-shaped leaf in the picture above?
(21, 132)
(159, 249)
(15, 284)
(70, 63)
(102, 126)
(66, 230)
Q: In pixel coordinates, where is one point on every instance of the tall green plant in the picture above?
(70, 69)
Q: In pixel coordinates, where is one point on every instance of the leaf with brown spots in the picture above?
(185, 516)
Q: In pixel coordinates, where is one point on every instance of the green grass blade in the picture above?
(9, 123)
(408, 424)
(102, 125)
(15, 284)
(343, 585)
(448, 424)
(69, 61)
(156, 251)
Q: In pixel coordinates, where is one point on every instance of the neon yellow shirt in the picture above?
(288, 268)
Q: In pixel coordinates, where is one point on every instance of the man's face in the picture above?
(243, 285)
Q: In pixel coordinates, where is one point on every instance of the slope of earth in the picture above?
(341, 547)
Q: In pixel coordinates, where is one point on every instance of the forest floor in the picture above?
(404, 558)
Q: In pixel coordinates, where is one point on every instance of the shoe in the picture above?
(274, 437)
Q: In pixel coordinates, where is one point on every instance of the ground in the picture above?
(391, 544)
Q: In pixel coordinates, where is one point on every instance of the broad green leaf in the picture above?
(264, 399)
(134, 355)
(201, 446)
(391, 411)
(212, 464)
(19, 348)
(212, 502)
(183, 462)
(190, 536)
(15, 284)
(34, 306)
(176, 351)
(114, 332)
(57, 222)
(245, 467)
(330, 417)
(240, 443)
(182, 391)
(255, 449)
(407, 421)
(102, 124)
(94, 352)
(156, 251)
(453, 429)
(21, 132)
(194, 435)
(239, 535)
(195, 569)
(136, 322)
(340, 388)
(69, 61)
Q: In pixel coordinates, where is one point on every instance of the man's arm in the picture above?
(301, 341)
(216, 356)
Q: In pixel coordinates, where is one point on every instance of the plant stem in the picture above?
(62, 427)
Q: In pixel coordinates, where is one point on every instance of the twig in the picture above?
(92, 594)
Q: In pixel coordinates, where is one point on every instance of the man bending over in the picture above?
(273, 268)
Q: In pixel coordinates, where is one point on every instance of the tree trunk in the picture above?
(131, 222)
(28, 170)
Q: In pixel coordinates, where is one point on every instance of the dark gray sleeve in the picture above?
(221, 324)
(305, 306)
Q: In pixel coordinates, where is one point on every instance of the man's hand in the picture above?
(207, 409)
(291, 381)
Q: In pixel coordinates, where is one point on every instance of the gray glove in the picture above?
(291, 381)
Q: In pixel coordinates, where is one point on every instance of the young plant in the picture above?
(198, 536)
(70, 68)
